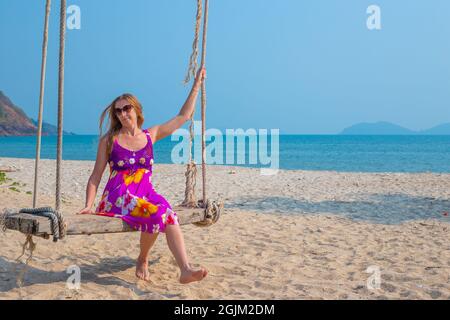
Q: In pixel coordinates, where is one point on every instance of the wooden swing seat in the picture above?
(87, 224)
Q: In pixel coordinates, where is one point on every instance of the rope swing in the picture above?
(62, 41)
(190, 200)
(41, 100)
(212, 208)
(45, 221)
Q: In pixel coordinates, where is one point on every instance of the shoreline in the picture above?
(230, 166)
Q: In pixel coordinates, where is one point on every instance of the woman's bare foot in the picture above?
(142, 269)
(190, 275)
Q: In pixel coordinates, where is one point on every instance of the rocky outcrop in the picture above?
(14, 121)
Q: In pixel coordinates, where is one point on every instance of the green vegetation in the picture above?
(4, 178)
(14, 189)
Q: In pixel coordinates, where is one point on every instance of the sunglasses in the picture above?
(126, 108)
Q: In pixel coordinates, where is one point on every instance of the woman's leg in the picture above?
(175, 242)
(147, 242)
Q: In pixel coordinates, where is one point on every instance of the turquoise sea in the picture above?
(306, 152)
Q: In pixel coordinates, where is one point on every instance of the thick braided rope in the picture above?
(213, 210)
(41, 101)
(57, 222)
(190, 200)
(62, 29)
(193, 66)
(203, 62)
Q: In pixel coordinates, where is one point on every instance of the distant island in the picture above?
(387, 128)
(14, 121)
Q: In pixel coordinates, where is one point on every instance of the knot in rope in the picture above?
(213, 210)
(57, 223)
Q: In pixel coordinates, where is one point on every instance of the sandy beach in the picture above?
(293, 235)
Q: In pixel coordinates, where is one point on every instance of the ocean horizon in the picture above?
(345, 153)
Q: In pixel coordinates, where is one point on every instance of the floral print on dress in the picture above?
(105, 205)
(129, 193)
(119, 202)
(133, 177)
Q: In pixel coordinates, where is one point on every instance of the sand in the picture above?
(294, 235)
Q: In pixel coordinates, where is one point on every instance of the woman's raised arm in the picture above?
(161, 131)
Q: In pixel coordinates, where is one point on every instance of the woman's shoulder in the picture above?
(106, 141)
(104, 138)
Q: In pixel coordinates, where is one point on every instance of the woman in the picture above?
(129, 193)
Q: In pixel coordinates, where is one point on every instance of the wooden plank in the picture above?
(25, 223)
(87, 224)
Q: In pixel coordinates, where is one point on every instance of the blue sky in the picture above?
(308, 67)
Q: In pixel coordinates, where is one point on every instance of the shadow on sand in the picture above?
(374, 208)
(98, 272)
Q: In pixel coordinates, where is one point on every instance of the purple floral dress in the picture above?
(129, 193)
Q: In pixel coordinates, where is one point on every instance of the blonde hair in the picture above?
(114, 122)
